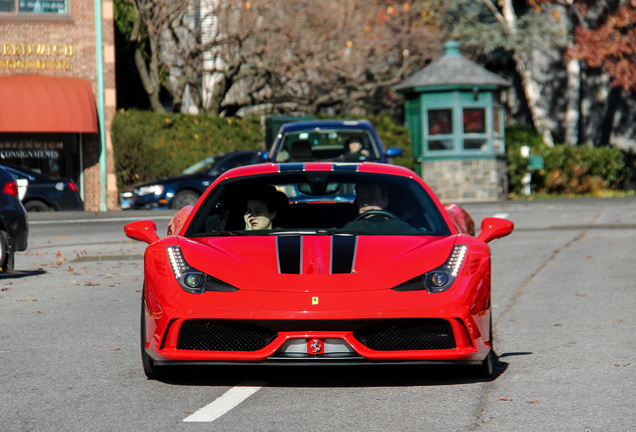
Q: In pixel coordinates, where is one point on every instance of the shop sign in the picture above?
(30, 150)
(35, 56)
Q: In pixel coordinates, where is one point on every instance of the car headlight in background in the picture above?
(439, 279)
(148, 190)
(191, 279)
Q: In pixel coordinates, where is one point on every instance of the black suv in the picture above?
(14, 229)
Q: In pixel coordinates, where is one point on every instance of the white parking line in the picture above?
(501, 215)
(225, 403)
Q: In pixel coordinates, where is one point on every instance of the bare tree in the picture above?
(151, 18)
(303, 55)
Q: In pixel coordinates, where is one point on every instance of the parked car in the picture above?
(329, 140)
(45, 193)
(14, 228)
(327, 281)
(185, 189)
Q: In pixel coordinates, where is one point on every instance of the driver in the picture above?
(372, 200)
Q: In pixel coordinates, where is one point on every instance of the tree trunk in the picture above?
(524, 67)
(573, 95)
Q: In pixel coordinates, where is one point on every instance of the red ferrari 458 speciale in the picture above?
(317, 263)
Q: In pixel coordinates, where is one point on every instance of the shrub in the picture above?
(148, 145)
(567, 169)
(394, 134)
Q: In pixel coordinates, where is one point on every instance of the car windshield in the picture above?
(328, 145)
(201, 166)
(320, 203)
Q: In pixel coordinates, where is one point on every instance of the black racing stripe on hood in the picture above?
(343, 253)
(289, 254)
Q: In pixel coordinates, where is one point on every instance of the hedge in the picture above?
(568, 170)
(148, 145)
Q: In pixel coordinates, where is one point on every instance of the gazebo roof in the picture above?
(452, 69)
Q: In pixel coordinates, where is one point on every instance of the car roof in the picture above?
(326, 124)
(25, 171)
(364, 167)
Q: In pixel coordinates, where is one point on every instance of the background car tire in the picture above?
(37, 206)
(184, 198)
(7, 257)
(151, 370)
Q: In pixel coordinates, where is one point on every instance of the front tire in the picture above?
(7, 256)
(37, 206)
(151, 369)
(184, 198)
(487, 367)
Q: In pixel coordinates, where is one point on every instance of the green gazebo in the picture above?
(456, 126)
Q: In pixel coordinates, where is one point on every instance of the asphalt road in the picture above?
(564, 295)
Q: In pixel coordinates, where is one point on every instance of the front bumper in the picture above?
(377, 330)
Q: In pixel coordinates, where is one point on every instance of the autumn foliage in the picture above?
(612, 45)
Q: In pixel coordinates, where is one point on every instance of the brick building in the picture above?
(57, 92)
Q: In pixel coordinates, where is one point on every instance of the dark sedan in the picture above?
(185, 189)
(14, 229)
(45, 193)
(329, 140)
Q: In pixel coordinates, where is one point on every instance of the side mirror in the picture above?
(145, 231)
(393, 152)
(262, 156)
(494, 228)
(179, 219)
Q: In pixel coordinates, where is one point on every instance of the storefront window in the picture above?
(18, 7)
(54, 155)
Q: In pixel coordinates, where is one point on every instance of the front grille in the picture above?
(407, 335)
(378, 335)
(208, 335)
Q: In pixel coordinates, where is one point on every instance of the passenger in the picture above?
(355, 151)
(373, 218)
(262, 207)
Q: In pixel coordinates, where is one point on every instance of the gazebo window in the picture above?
(440, 129)
(474, 129)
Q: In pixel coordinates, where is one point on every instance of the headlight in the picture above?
(191, 279)
(439, 279)
(152, 189)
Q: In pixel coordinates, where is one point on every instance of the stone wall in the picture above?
(472, 180)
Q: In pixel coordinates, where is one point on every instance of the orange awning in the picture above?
(35, 103)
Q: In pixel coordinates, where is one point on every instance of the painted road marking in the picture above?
(501, 215)
(225, 403)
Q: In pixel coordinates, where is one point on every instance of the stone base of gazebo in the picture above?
(468, 180)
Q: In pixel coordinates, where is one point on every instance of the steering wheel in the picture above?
(376, 213)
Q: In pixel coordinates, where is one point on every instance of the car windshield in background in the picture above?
(321, 202)
(328, 145)
(201, 167)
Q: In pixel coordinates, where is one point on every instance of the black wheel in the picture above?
(184, 198)
(151, 370)
(7, 257)
(376, 213)
(37, 206)
(487, 367)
